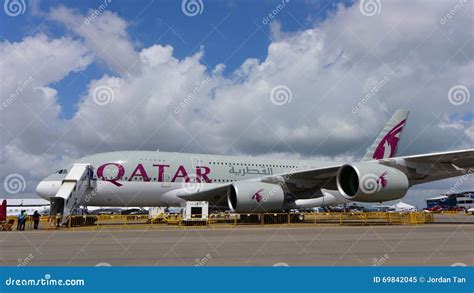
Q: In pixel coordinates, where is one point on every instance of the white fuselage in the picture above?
(145, 178)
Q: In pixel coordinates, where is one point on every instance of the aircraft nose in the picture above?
(44, 190)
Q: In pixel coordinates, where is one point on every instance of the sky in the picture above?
(288, 79)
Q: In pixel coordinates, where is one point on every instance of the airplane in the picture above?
(30, 205)
(247, 184)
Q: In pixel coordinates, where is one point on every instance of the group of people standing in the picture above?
(23, 216)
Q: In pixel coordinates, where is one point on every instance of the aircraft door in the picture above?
(57, 206)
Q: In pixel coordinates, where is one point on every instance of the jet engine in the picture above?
(369, 182)
(255, 197)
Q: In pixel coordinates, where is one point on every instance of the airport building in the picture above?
(464, 200)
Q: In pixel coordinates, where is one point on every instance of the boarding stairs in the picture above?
(78, 182)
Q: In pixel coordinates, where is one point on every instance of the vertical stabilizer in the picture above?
(385, 146)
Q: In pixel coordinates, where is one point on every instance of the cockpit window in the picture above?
(62, 171)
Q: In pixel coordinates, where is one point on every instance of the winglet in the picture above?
(385, 146)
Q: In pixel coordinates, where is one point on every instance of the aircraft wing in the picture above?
(303, 181)
(418, 168)
(436, 166)
(216, 196)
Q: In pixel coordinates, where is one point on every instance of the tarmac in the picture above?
(447, 242)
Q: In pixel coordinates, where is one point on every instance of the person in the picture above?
(24, 218)
(58, 220)
(36, 219)
(20, 221)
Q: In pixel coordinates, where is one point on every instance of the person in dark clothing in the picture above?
(23, 220)
(20, 220)
(36, 219)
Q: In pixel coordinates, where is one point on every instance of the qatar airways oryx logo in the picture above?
(371, 183)
(388, 145)
(257, 196)
(382, 181)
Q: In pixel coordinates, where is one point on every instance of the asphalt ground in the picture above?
(447, 242)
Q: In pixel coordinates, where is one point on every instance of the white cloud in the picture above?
(47, 60)
(470, 133)
(30, 128)
(29, 107)
(328, 69)
(105, 35)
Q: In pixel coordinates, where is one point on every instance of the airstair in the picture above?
(78, 182)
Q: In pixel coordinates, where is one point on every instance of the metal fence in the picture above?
(226, 219)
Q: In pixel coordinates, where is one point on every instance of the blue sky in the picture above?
(325, 56)
(221, 29)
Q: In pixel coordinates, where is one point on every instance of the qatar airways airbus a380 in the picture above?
(246, 184)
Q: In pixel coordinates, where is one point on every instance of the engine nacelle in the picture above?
(255, 197)
(371, 182)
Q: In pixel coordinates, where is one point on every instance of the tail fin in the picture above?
(385, 146)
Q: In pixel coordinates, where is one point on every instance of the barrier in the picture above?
(227, 219)
(452, 212)
(122, 219)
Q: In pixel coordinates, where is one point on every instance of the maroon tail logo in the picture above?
(257, 196)
(388, 145)
(382, 180)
